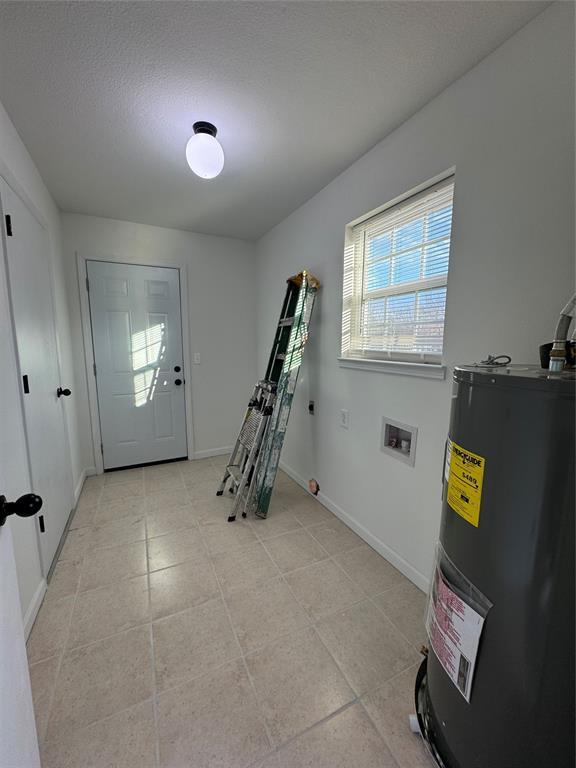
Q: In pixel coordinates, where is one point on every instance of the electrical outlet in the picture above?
(196, 358)
(344, 418)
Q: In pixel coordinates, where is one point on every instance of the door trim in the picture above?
(82, 270)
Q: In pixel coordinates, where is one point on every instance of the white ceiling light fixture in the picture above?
(204, 154)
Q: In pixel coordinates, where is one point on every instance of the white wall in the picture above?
(508, 128)
(19, 171)
(221, 296)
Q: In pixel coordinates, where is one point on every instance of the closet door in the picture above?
(29, 277)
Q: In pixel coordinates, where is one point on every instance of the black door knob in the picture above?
(177, 368)
(177, 382)
(25, 506)
(65, 392)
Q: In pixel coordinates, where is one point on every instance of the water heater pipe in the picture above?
(558, 353)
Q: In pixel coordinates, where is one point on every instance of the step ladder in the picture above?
(253, 463)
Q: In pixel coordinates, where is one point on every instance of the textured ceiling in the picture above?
(104, 95)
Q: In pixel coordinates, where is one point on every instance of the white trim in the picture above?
(82, 272)
(34, 607)
(447, 174)
(423, 370)
(213, 452)
(79, 486)
(387, 553)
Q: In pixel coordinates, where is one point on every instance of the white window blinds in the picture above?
(395, 275)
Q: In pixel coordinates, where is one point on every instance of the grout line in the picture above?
(245, 665)
(153, 655)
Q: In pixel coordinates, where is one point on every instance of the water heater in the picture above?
(497, 687)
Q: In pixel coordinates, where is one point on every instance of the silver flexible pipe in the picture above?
(558, 353)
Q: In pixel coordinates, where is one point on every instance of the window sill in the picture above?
(422, 370)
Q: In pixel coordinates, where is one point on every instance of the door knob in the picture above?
(65, 392)
(177, 382)
(25, 506)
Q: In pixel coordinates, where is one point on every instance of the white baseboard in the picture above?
(34, 607)
(79, 485)
(90, 471)
(213, 452)
(389, 554)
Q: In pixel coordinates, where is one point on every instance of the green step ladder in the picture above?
(253, 463)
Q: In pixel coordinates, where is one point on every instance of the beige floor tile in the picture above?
(405, 605)
(347, 740)
(76, 544)
(204, 488)
(389, 708)
(163, 500)
(221, 536)
(367, 647)
(335, 537)
(108, 610)
(65, 579)
(219, 462)
(93, 482)
(170, 469)
(103, 678)
(89, 498)
(211, 722)
(297, 683)
(168, 520)
(120, 509)
(196, 472)
(369, 569)
(123, 476)
(294, 550)
(174, 548)
(279, 521)
(111, 564)
(215, 508)
(83, 517)
(323, 588)
(50, 629)
(123, 531)
(310, 512)
(289, 493)
(118, 491)
(43, 680)
(166, 482)
(125, 740)
(244, 568)
(192, 643)
(261, 615)
(182, 586)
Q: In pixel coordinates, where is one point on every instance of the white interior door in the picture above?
(29, 278)
(18, 742)
(137, 335)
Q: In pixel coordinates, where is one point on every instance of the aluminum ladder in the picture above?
(253, 463)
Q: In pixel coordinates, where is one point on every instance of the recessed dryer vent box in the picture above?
(399, 440)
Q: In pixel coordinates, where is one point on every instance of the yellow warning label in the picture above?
(465, 483)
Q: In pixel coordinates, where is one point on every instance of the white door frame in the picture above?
(182, 267)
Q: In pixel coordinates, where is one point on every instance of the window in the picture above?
(395, 275)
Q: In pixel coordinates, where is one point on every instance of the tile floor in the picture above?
(170, 638)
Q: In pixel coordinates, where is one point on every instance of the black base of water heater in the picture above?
(518, 552)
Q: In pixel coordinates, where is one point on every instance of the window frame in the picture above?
(353, 296)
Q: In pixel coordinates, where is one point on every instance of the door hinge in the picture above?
(102, 449)
(8, 225)
(88, 285)
(41, 523)
(94, 368)
(25, 384)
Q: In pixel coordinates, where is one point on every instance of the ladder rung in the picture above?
(235, 472)
(280, 357)
(287, 321)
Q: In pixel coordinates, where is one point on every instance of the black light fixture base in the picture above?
(203, 127)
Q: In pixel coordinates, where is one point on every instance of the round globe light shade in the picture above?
(205, 156)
